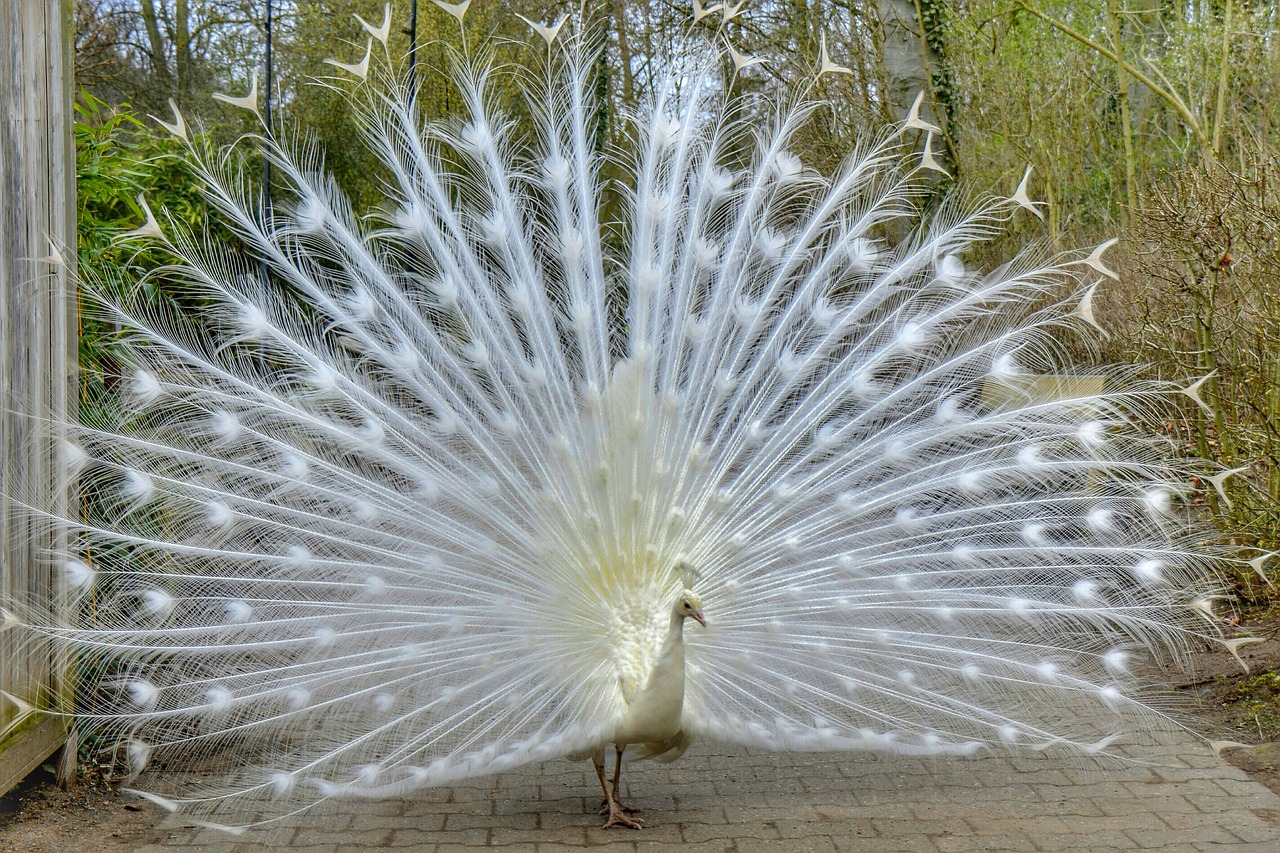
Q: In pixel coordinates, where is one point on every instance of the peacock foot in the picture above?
(618, 816)
(604, 808)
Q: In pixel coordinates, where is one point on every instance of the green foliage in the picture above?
(1256, 704)
(311, 105)
(1201, 297)
(1018, 82)
(119, 160)
(1028, 96)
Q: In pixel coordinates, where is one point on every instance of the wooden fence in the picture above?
(37, 352)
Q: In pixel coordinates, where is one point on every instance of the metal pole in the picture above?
(413, 50)
(266, 115)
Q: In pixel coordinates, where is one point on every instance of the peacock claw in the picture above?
(604, 808)
(618, 817)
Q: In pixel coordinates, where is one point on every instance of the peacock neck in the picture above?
(673, 645)
(675, 630)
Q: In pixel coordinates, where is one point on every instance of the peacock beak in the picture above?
(697, 614)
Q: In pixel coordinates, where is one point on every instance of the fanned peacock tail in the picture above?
(389, 495)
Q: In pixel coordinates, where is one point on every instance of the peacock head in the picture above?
(688, 604)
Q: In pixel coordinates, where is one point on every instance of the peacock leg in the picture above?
(617, 813)
(617, 792)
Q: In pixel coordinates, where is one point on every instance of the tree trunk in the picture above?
(155, 43)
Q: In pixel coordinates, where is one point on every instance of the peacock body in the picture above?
(390, 502)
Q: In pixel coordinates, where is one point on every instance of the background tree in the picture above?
(1152, 121)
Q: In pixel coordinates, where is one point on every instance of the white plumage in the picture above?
(396, 501)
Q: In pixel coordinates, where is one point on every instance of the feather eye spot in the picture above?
(572, 244)
(1029, 458)
(477, 138)
(413, 221)
(253, 322)
(137, 485)
(717, 182)
(1005, 366)
(158, 603)
(218, 699)
(225, 425)
(861, 254)
(294, 467)
(445, 291)
(73, 456)
(1085, 591)
(218, 514)
(143, 694)
(786, 167)
(556, 171)
(897, 451)
(771, 244)
(80, 576)
(1100, 520)
(911, 336)
(726, 383)
(1116, 661)
(361, 305)
(427, 489)
(1157, 501)
(706, 254)
(1149, 571)
(297, 698)
(665, 131)
(238, 612)
(138, 753)
(282, 783)
(949, 270)
(1091, 434)
(310, 215)
(1033, 533)
(322, 378)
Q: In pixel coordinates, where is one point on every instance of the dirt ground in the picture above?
(40, 817)
(1223, 702)
(1231, 704)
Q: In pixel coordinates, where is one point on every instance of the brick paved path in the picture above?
(724, 799)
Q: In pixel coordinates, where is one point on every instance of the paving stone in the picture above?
(901, 844)
(721, 799)
(963, 844)
(805, 844)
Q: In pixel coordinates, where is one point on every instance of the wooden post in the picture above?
(37, 355)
